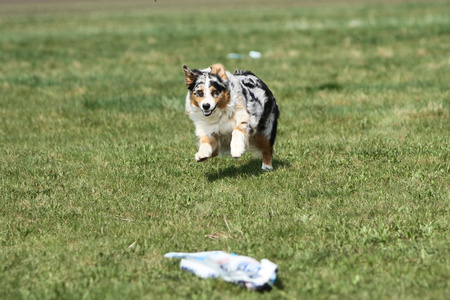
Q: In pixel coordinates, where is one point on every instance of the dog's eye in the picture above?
(199, 93)
(215, 94)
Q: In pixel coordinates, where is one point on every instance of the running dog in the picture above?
(231, 112)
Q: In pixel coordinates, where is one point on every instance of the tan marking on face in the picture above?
(219, 69)
(196, 98)
(223, 100)
(263, 144)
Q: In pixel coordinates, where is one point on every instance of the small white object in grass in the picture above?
(251, 54)
(255, 54)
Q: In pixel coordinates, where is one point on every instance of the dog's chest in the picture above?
(224, 125)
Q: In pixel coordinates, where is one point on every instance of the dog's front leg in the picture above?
(208, 147)
(238, 140)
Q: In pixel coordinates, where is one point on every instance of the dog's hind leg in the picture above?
(267, 161)
(208, 147)
(263, 145)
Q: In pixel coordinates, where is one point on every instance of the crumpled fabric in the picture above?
(243, 270)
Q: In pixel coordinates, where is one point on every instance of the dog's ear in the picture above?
(190, 77)
(219, 69)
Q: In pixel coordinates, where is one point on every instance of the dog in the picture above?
(231, 112)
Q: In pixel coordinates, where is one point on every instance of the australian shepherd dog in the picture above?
(231, 112)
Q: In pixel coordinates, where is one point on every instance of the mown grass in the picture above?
(98, 177)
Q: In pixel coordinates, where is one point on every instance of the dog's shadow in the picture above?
(251, 168)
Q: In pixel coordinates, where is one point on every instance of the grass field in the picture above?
(97, 172)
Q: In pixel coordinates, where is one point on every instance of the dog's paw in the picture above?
(266, 167)
(204, 152)
(200, 158)
(237, 149)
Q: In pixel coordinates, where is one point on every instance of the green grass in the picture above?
(97, 172)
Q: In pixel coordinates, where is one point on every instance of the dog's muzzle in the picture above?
(206, 109)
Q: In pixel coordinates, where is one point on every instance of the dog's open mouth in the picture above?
(207, 113)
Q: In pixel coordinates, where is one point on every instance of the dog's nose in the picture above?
(206, 106)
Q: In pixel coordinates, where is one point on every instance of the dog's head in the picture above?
(208, 88)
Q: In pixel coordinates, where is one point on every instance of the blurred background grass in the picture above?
(98, 178)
